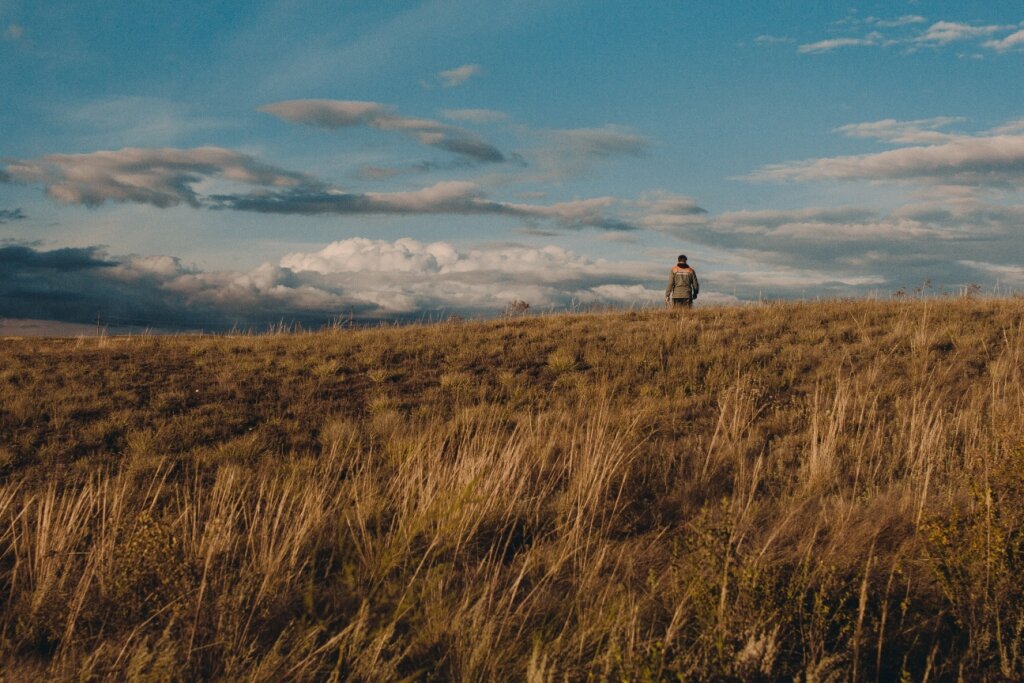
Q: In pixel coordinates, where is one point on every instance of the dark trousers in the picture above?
(682, 303)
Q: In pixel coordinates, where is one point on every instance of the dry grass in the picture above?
(812, 491)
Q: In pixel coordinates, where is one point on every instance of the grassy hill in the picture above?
(814, 490)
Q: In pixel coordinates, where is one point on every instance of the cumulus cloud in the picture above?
(982, 160)
(8, 215)
(369, 279)
(1010, 42)
(161, 177)
(459, 75)
(334, 114)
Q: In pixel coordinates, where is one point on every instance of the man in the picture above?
(682, 285)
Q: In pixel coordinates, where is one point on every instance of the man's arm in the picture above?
(671, 285)
(696, 285)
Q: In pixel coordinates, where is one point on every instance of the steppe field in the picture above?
(820, 491)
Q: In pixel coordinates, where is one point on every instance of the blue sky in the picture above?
(239, 162)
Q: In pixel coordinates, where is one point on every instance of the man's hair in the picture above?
(682, 258)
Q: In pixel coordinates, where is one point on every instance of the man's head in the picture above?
(682, 259)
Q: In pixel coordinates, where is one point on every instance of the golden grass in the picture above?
(819, 491)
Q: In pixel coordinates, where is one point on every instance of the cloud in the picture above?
(905, 20)
(8, 215)
(666, 212)
(161, 177)
(945, 32)
(459, 75)
(14, 32)
(983, 160)
(167, 177)
(600, 143)
(921, 131)
(849, 249)
(128, 121)
(767, 39)
(566, 153)
(333, 114)
(369, 279)
(1007, 274)
(836, 43)
(475, 115)
(1010, 42)
(449, 197)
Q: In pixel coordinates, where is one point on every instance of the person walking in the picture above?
(682, 284)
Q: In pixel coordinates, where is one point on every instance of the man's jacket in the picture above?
(682, 283)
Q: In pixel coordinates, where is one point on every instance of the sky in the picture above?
(211, 164)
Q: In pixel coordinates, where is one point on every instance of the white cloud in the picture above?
(945, 32)
(347, 113)
(459, 75)
(921, 131)
(1010, 42)
(767, 39)
(905, 20)
(982, 160)
(836, 43)
(1009, 274)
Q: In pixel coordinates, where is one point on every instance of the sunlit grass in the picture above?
(816, 491)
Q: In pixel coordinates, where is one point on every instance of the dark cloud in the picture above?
(8, 215)
(161, 177)
(334, 114)
(452, 197)
(367, 279)
(26, 258)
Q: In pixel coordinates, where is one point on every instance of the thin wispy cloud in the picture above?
(334, 114)
(459, 75)
(767, 39)
(905, 32)
(14, 32)
(982, 160)
(920, 131)
(1014, 41)
(945, 32)
(836, 43)
(448, 197)
(475, 115)
(905, 20)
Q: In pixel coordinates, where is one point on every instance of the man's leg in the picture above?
(682, 303)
